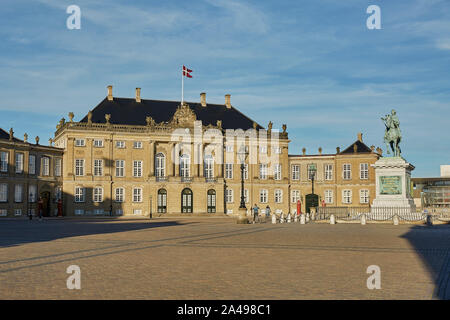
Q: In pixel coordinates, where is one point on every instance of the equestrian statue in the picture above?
(392, 134)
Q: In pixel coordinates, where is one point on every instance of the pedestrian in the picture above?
(267, 211)
(255, 213)
(40, 208)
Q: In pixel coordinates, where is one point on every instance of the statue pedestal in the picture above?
(393, 183)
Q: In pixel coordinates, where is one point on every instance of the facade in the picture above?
(432, 192)
(28, 172)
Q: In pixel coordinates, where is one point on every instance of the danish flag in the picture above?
(186, 72)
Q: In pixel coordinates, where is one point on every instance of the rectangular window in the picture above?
(229, 195)
(79, 167)
(80, 143)
(4, 161)
(246, 198)
(278, 195)
(3, 192)
(295, 196)
(19, 162)
(137, 211)
(120, 144)
(58, 166)
(98, 194)
(32, 193)
(364, 171)
(120, 168)
(119, 195)
(295, 172)
(329, 196)
(277, 172)
(18, 189)
(17, 212)
(263, 171)
(277, 150)
(229, 148)
(364, 196)
(137, 144)
(137, 195)
(98, 143)
(137, 168)
(3, 212)
(79, 212)
(208, 168)
(228, 171)
(263, 149)
(263, 196)
(31, 164)
(347, 196)
(347, 171)
(328, 172)
(45, 166)
(79, 194)
(98, 167)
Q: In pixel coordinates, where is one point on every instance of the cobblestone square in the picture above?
(215, 258)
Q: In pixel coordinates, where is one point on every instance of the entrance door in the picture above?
(186, 201)
(45, 203)
(162, 201)
(311, 201)
(211, 201)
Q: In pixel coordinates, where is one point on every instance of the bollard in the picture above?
(274, 219)
(332, 219)
(429, 220)
(302, 219)
(281, 218)
(307, 217)
(395, 219)
(363, 219)
(289, 218)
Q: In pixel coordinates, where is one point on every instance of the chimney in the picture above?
(138, 95)
(228, 101)
(110, 96)
(320, 150)
(360, 137)
(338, 149)
(304, 151)
(203, 99)
(25, 137)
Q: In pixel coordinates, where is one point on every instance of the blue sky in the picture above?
(312, 65)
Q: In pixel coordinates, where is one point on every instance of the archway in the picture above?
(186, 201)
(45, 196)
(211, 201)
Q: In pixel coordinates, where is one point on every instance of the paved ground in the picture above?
(201, 258)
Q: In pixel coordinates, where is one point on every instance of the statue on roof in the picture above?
(392, 133)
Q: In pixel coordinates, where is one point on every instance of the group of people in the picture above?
(255, 209)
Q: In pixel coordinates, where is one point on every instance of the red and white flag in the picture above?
(187, 72)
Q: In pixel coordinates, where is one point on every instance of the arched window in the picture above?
(160, 165)
(208, 167)
(185, 163)
(211, 201)
(186, 201)
(162, 201)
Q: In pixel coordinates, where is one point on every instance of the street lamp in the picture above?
(312, 174)
(242, 156)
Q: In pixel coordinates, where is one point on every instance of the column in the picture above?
(152, 159)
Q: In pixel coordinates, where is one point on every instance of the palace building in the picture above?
(132, 156)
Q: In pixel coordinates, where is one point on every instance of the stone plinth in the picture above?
(393, 183)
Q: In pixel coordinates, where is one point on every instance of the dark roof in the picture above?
(5, 136)
(360, 148)
(128, 111)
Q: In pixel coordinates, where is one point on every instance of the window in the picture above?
(32, 193)
(79, 167)
(79, 194)
(263, 171)
(328, 172)
(98, 194)
(79, 212)
(160, 164)
(58, 162)
(263, 196)
(17, 212)
(295, 172)
(211, 201)
(277, 172)
(3, 192)
(137, 211)
(228, 171)
(347, 171)
(137, 168)
(229, 195)
(262, 149)
(347, 196)
(3, 212)
(246, 198)
(19, 162)
(120, 144)
(278, 195)
(137, 144)
(329, 196)
(245, 171)
(295, 196)
(80, 142)
(18, 188)
(120, 168)
(119, 212)
(58, 193)
(209, 167)
(277, 150)
(364, 171)
(137, 194)
(119, 194)
(162, 201)
(184, 166)
(98, 167)
(229, 148)
(98, 143)
(31, 164)
(364, 196)
(45, 166)
(4, 161)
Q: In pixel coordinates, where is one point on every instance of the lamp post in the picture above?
(242, 156)
(312, 174)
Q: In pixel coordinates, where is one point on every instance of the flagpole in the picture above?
(182, 85)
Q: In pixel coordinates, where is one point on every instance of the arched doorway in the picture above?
(45, 196)
(162, 201)
(311, 201)
(186, 201)
(211, 201)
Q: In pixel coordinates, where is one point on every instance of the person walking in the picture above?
(255, 213)
(40, 208)
(268, 211)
